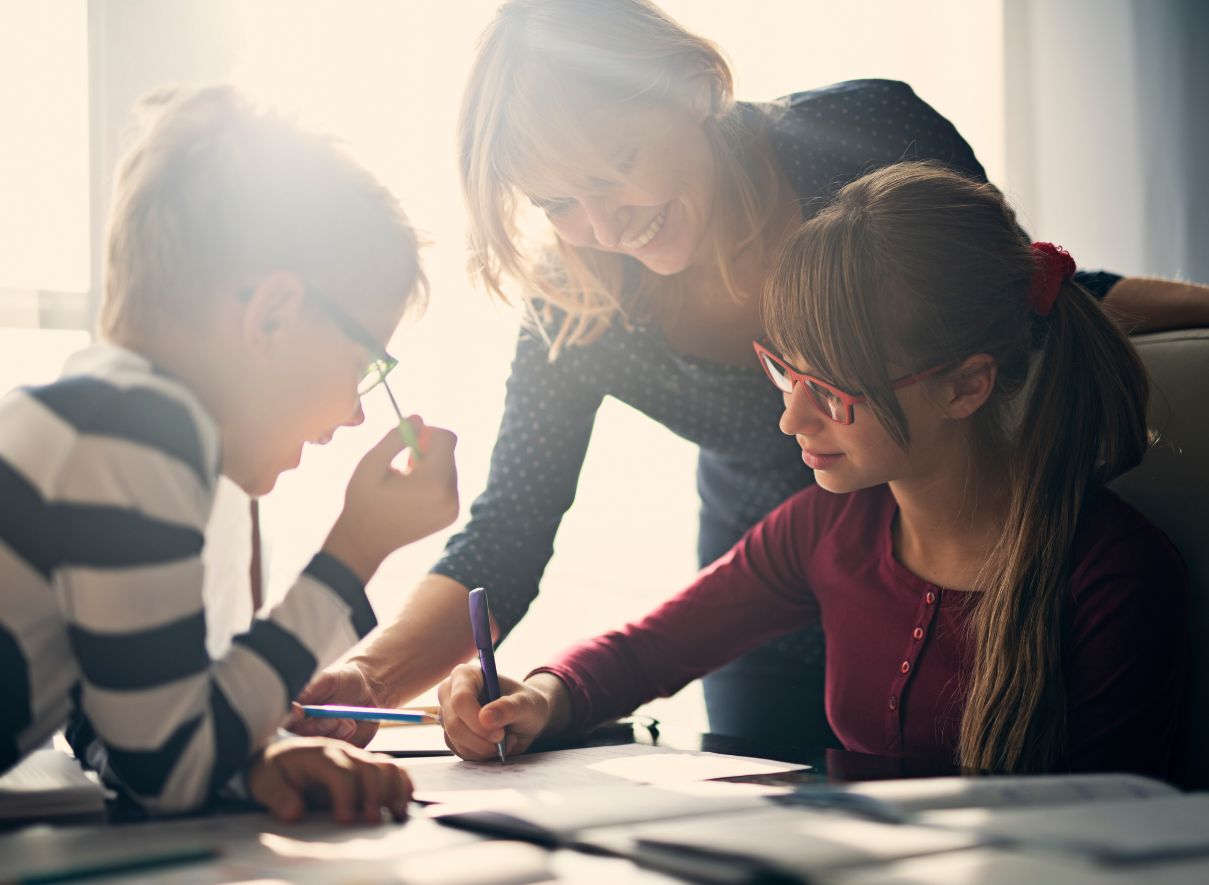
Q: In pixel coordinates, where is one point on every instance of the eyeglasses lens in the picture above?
(775, 371)
(826, 401)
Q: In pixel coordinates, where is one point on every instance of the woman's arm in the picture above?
(1151, 304)
(535, 465)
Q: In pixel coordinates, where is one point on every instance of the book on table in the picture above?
(49, 784)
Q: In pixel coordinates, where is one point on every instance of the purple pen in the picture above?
(480, 623)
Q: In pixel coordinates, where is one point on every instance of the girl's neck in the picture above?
(950, 519)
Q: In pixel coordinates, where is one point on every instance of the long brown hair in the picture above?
(914, 265)
(541, 67)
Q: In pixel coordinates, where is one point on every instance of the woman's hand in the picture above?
(524, 711)
(291, 775)
(346, 685)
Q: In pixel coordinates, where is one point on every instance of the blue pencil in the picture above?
(373, 714)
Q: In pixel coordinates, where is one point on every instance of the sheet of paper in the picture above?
(796, 841)
(1015, 791)
(1129, 830)
(561, 815)
(436, 778)
(991, 866)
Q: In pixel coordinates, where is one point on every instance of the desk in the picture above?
(256, 848)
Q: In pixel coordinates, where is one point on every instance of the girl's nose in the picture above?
(800, 415)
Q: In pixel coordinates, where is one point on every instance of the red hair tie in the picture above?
(1054, 267)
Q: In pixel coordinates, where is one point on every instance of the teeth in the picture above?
(647, 235)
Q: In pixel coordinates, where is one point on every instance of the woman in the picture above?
(666, 199)
(984, 599)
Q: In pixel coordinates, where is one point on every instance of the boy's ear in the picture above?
(272, 307)
(969, 385)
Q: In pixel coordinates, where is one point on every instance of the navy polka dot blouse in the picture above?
(824, 138)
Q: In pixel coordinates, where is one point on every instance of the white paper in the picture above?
(1123, 830)
(436, 778)
(786, 839)
(1014, 791)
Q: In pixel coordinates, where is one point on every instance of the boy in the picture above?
(254, 275)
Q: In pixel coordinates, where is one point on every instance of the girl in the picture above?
(984, 599)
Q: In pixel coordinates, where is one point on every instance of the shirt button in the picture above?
(893, 703)
(918, 633)
(930, 598)
(906, 666)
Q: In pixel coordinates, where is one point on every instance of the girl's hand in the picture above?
(472, 730)
(288, 776)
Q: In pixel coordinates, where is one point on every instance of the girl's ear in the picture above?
(271, 309)
(969, 385)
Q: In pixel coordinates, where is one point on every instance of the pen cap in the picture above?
(480, 618)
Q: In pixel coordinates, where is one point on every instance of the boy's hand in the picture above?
(289, 775)
(472, 730)
(386, 508)
(346, 685)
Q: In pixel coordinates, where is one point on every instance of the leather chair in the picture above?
(1171, 487)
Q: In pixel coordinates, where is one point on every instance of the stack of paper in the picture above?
(46, 784)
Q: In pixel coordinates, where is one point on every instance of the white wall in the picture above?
(1108, 130)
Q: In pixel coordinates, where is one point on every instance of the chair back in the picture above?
(1171, 487)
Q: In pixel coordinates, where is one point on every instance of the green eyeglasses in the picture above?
(381, 363)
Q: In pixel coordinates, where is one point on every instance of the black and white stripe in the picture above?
(107, 480)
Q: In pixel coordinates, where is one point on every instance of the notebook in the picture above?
(46, 784)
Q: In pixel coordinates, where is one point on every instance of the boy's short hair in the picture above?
(215, 192)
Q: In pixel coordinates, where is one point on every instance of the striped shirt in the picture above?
(107, 480)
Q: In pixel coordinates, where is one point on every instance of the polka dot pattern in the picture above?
(824, 138)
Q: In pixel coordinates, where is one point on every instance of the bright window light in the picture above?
(44, 162)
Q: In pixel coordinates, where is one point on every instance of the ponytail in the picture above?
(1083, 424)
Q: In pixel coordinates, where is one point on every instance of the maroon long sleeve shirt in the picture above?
(898, 646)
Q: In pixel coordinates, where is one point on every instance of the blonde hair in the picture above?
(918, 266)
(541, 67)
(215, 191)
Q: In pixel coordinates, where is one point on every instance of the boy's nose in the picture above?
(357, 417)
(800, 415)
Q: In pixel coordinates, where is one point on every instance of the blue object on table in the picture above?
(373, 714)
(480, 623)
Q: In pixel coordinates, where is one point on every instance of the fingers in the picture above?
(396, 788)
(459, 699)
(472, 729)
(330, 686)
(370, 779)
(333, 771)
(355, 784)
(336, 729)
(377, 460)
(271, 789)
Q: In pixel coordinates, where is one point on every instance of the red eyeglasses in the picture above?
(832, 403)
